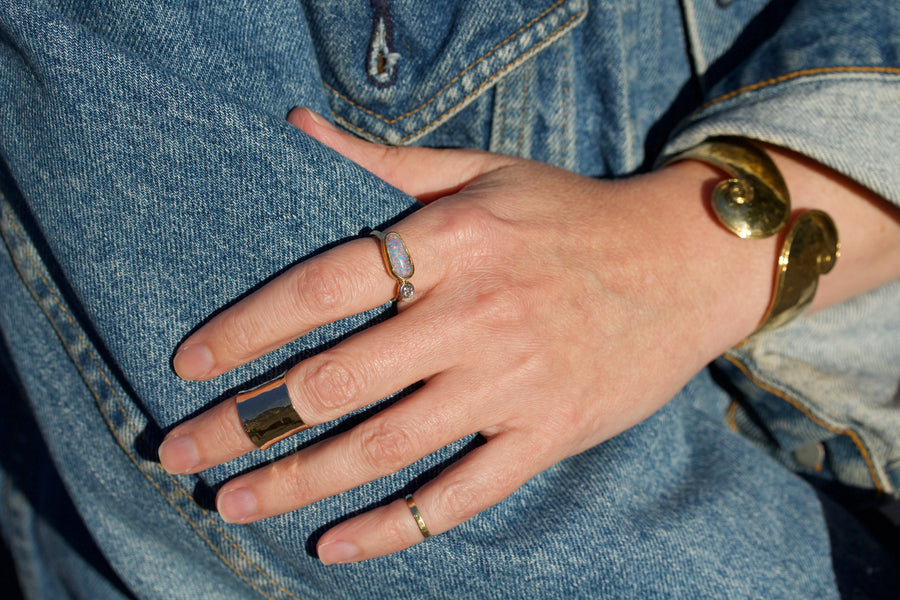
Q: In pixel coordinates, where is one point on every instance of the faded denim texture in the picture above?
(149, 179)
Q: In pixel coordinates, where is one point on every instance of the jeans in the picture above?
(149, 179)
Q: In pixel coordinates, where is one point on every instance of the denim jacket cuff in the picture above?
(821, 115)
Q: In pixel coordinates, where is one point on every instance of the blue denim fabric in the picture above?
(149, 179)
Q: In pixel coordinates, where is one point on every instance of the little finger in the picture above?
(481, 479)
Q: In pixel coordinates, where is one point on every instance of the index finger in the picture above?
(344, 281)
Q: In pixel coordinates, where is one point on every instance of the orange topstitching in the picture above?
(854, 437)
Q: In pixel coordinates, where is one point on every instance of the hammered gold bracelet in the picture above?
(754, 203)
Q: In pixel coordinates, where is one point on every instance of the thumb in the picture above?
(425, 173)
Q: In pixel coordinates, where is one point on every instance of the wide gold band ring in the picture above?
(398, 262)
(417, 516)
(267, 414)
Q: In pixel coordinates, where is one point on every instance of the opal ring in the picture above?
(417, 516)
(267, 414)
(398, 262)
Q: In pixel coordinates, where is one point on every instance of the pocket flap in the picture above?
(396, 70)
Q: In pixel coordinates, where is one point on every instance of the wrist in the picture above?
(722, 283)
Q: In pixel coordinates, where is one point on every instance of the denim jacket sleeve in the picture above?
(825, 83)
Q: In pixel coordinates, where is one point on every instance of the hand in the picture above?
(552, 311)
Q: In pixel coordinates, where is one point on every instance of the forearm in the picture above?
(869, 227)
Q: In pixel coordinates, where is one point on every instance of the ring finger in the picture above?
(383, 444)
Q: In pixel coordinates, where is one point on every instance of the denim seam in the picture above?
(456, 78)
(731, 416)
(504, 94)
(526, 54)
(795, 75)
(850, 433)
(524, 118)
(106, 417)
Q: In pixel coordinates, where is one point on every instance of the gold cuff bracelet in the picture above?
(754, 203)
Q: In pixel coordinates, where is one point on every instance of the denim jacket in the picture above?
(125, 125)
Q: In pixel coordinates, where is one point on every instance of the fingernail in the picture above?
(193, 361)
(237, 506)
(318, 119)
(179, 454)
(335, 553)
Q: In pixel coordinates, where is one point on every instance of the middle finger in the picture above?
(366, 367)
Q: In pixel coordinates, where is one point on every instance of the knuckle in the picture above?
(228, 436)
(290, 482)
(499, 308)
(237, 333)
(394, 161)
(470, 225)
(397, 529)
(460, 500)
(386, 447)
(547, 445)
(330, 384)
(322, 289)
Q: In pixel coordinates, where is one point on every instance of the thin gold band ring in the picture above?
(417, 516)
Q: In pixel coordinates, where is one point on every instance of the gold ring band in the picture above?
(267, 414)
(417, 516)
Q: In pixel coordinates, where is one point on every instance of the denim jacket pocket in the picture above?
(396, 70)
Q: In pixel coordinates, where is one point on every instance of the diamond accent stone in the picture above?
(406, 290)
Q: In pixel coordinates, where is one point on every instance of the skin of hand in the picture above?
(544, 300)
